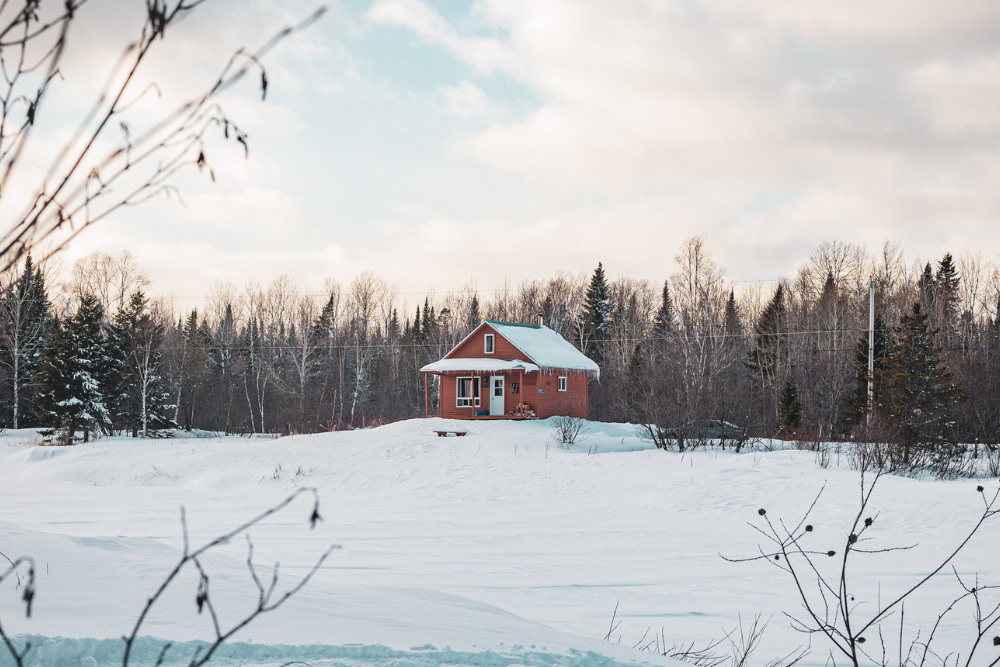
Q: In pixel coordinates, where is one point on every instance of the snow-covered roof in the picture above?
(485, 365)
(544, 347)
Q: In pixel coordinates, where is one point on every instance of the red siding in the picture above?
(551, 401)
(548, 403)
(450, 410)
(473, 347)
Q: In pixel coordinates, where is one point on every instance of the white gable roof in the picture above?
(544, 347)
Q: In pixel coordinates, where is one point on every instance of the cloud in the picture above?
(467, 100)
(487, 54)
(874, 121)
(561, 133)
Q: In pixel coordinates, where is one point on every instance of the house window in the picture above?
(562, 384)
(463, 392)
(477, 384)
(488, 345)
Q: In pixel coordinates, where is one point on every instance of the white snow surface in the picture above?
(483, 365)
(545, 347)
(495, 549)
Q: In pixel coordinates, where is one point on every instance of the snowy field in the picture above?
(495, 549)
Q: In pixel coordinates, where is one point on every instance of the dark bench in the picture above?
(444, 434)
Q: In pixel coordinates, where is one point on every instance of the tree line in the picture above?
(95, 354)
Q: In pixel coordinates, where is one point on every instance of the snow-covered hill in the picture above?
(497, 548)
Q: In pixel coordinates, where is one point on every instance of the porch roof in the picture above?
(482, 365)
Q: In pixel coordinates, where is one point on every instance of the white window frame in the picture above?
(562, 383)
(489, 344)
(460, 400)
(477, 390)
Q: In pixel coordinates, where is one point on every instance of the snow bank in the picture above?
(488, 544)
(49, 651)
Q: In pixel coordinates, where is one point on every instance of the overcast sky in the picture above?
(438, 142)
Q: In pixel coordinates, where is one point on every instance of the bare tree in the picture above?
(368, 310)
(85, 182)
(113, 280)
(24, 319)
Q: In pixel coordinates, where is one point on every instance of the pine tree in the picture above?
(919, 393)
(597, 310)
(418, 334)
(474, 317)
(73, 366)
(828, 297)
(769, 347)
(947, 282)
(141, 402)
(789, 409)
(927, 287)
(663, 324)
(731, 320)
(394, 329)
(429, 322)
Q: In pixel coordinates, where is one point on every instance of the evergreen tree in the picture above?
(418, 334)
(141, 402)
(73, 365)
(789, 409)
(663, 324)
(394, 329)
(919, 393)
(828, 297)
(474, 317)
(927, 287)
(597, 311)
(769, 346)
(192, 369)
(856, 410)
(429, 323)
(946, 282)
(731, 320)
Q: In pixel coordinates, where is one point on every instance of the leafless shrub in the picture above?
(267, 599)
(662, 438)
(567, 430)
(991, 459)
(832, 607)
(824, 454)
(743, 641)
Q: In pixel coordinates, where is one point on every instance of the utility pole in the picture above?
(871, 350)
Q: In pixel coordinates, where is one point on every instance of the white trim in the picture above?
(489, 344)
(562, 383)
(502, 398)
(468, 400)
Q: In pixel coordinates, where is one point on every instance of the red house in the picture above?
(506, 370)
